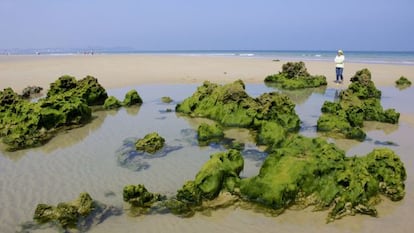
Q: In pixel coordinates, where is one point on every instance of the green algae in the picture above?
(209, 132)
(132, 98)
(309, 171)
(150, 143)
(230, 105)
(402, 83)
(87, 89)
(166, 99)
(360, 102)
(294, 75)
(66, 214)
(219, 174)
(28, 124)
(140, 198)
(112, 103)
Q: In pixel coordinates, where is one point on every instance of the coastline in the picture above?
(120, 70)
(123, 70)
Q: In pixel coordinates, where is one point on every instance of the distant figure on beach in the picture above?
(339, 61)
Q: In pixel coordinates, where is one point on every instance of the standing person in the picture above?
(339, 61)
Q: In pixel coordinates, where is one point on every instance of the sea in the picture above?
(377, 57)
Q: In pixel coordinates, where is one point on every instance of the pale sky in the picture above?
(208, 25)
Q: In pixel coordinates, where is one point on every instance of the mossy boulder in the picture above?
(27, 124)
(309, 171)
(358, 103)
(112, 103)
(132, 98)
(230, 105)
(207, 132)
(140, 198)
(403, 82)
(67, 215)
(87, 89)
(166, 99)
(294, 75)
(30, 91)
(151, 143)
(219, 174)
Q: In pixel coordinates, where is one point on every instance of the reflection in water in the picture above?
(298, 96)
(127, 156)
(237, 138)
(132, 110)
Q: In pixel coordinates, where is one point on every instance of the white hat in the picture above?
(340, 52)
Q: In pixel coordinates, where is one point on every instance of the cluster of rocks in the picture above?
(360, 102)
(294, 75)
(67, 104)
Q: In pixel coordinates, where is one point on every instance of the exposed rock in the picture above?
(129, 157)
(30, 91)
(87, 89)
(402, 82)
(79, 215)
(25, 124)
(304, 171)
(230, 105)
(140, 199)
(151, 143)
(219, 174)
(166, 99)
(294, 75)
(207, 133)
(359, 103)
(132, 98)
(112, 103)
(66, 214)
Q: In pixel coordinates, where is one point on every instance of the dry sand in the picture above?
(126, 70)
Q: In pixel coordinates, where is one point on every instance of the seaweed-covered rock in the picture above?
(66, 214)
(358, 103)
(207, 132)
(309, 171)
(140, 198)
(294, 75)
(219, 174)
(230, 105)
(166, 99)
(403, 82)
(112, 103)
(87, 88)
(8, 97)
(132, 98)
(151, 143)
(25, 124)
(30, 91)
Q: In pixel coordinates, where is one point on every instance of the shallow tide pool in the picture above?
(85, 160)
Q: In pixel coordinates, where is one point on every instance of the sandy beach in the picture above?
(84, 159)
(115, 71)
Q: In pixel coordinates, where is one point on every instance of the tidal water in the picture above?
(87, 159)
